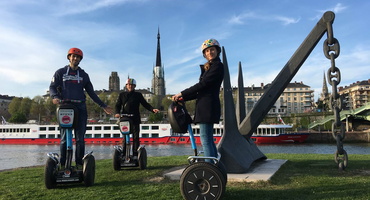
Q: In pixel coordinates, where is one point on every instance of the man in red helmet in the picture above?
(71, 82)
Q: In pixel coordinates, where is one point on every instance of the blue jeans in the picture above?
(79, 133)
(206, 138)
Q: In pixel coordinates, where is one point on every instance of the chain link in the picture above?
(331, 51)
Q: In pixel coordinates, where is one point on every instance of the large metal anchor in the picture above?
(236, 147)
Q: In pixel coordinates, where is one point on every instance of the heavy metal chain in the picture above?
(331, 51)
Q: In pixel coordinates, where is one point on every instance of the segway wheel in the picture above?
(89, 170)
(202, 180)
(142, 158)
(117, 160)
(223, 170)
(50, 173)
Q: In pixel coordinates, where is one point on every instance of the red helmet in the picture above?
(76, 51)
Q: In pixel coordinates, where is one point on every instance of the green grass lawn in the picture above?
(304, 176)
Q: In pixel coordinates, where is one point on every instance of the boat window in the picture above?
(144, 127)
(42, 128)
(106, 135)
(115, 127)
(155, 135)
(272, 131)
(145, 135)
(155, 127)
(97, 135)
(88, 136)
(107, 128)
(89, 128)
(42, 136)
(182, 139)
(52, 128)
(116, 135)
(173, 139)
(97, 127)
(51, 136)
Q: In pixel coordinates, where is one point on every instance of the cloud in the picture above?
(242, 18)
(71, 7)
(287, 20)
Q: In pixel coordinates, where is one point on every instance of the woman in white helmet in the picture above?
(206, 92)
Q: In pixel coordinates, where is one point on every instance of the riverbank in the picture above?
(327, 137)
(303, 176)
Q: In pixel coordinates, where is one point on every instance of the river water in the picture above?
(14, 156)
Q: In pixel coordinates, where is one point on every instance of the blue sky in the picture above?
(121, 35)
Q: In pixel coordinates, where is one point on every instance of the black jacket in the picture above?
(206, 91)
(129, 102)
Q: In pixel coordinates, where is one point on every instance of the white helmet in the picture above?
(131, 81)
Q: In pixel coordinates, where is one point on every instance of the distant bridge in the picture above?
(358, 113)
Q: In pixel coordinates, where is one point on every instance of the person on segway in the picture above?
(70, 83)
(128, 102)
(206, 92)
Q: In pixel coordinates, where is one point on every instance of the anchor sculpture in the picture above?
(237, 149)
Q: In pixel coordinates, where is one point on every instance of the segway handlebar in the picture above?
(62, 101)
(126, 115)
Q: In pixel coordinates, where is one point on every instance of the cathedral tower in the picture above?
(114, 82)
(158, 83)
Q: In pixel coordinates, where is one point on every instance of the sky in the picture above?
(121, 36)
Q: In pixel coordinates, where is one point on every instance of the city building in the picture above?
(4, 104)
(356, 94)
(296, 98)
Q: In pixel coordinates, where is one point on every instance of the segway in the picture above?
(54, 173)
(200, 179)
(122, 156)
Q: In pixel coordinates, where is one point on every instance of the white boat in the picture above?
(149, 134)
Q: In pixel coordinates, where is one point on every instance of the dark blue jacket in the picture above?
(206, 92)
(71, 84)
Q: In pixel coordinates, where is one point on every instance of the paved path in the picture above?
(259, 171)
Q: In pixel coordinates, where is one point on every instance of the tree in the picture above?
(18, 117)
(113, 99)
(50, 110)
(26, 106)
(37, 108)
(14, 106)
(166, 102)
(155, 117)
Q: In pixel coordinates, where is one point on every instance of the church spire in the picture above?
(325, 92)
(158, 82)
(158, 62)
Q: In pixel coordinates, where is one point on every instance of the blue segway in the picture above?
(54, 173)
(200, 179)
(122, 156)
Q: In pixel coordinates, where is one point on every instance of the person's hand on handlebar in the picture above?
(177, 97)
(56, 101)
(155, 110)
(108, 110)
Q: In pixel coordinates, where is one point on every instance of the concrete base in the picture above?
(259, 171)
